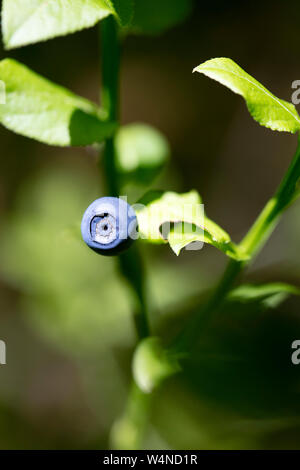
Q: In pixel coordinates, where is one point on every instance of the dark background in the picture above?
(64, 312)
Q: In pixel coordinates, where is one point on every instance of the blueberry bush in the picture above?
(39, 109)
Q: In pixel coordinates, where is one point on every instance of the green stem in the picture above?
(269, 217)
(131, 265)
(110, 95)
(132, 268)
(128, 431)
(252, 244)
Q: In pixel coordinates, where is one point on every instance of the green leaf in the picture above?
(264, 107)
(152, 364)
(180, 220)
(164, 208)
(29, 21)
(46, 112)
(156, 16)
(213, 235)
(142, 152)
(268, 295)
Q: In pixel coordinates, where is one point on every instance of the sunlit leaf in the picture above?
(164, 208)
(39, 109)
(264, 107)
(213, 235)
(29, 21)
(142, 152)
(180, 220)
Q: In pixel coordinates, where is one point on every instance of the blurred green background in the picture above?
(65, 312)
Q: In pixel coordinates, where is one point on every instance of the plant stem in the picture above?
(128, 431)
(131, 265)
(133, 269)
(252, 243)
(110, 95)
(269, 217)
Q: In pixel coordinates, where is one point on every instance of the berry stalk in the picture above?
(135, 415)
(130, 262)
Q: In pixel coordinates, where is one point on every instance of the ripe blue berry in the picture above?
(109, 226)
